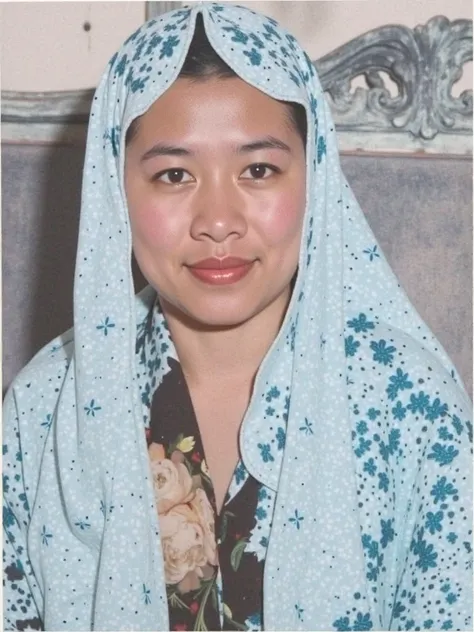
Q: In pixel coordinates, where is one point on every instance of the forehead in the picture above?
(191, 106)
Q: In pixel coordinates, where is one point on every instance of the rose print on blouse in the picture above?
(186, 518)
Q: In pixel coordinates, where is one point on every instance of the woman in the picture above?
(268, 437)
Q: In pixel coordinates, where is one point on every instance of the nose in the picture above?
(218, 213)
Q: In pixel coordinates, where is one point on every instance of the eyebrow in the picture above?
(163, 149)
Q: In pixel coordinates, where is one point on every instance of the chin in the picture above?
(211, 317)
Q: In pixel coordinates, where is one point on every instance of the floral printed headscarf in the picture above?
(355, 379)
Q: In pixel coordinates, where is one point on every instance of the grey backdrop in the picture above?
(419, 208)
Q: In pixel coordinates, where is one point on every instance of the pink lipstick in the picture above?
(221, 271)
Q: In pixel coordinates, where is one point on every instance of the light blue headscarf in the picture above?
(372, 515)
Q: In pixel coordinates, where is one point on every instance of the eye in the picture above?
(173, 176)
(260, 171)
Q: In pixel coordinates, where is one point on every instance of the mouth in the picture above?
(225, 271)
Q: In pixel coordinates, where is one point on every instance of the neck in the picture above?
(216, 356)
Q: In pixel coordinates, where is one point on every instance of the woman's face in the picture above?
(215, 185)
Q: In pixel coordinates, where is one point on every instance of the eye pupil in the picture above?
(175, 175)
(257, 171)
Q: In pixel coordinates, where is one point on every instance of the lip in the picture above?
(213, 263)
(226, 271)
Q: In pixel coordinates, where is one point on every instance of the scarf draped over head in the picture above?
(350, 343)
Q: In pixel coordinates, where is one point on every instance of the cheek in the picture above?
(284, 219)
(154, 226)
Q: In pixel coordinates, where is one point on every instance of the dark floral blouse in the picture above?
(212, 582)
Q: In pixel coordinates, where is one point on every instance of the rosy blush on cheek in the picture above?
(284, 219)
(156, 228)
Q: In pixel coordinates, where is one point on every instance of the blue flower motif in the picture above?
(382, 353)
(49, 420)
(294, 78)
(8, 517)
(265, 452)
(313, 104)
(92, 408)
(240, 473)
(371, 546)
(239, 36)
(418, 403)
(428, 624)
(372, 252)
(451, 598)
(364, 445)
(342, 625)
(254, 56)
(260, 513)
(451, 537)
(257, 41)
(426, 554)
(469, 430)
(447, 625)
(351, 345)
(270, 411)
(444, 434)
(297, 519)
(307, 428)
(372, 414)
(82, 524)
(393, 442)
(445, 588)
(360, 324)
(321, 148)
(121, 66)
(262, 494)
(264, 542)
(370, 467)
(106, 324)
(113, 135)
(433, 521)
(436, 410)
(363, 622)
(398, 609)
(254, 621)
(281, 438)
(270, 32)
(443, 454)
(168, 46)
(299, 612)
(399, 412)
(361, 427)
(442, 489)
(273, 393)
(399, 381)
(146, 595)
(388, 532)
(383, 481)
(153, 43)
(45, 537)
(457, 424)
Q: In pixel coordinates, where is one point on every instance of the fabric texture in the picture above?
(358, 422)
